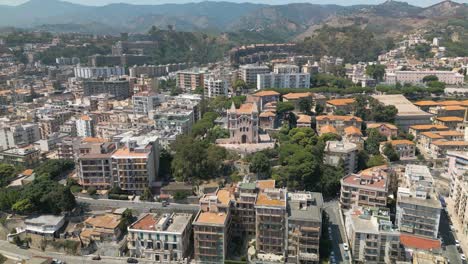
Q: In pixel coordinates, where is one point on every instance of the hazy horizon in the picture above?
(422, 3)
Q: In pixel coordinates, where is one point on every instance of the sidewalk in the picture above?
(457, 225)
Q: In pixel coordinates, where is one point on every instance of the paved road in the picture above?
(142, 207)
(337, 230)
(451, 251)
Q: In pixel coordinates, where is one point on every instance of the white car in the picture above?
(345, 247)
(457, 243)
(452, 228)
(462, 256)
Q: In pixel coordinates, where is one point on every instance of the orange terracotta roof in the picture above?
(352, 130)
(264, 200)
(336, 117)
(428, 127)
(266, 93)
(85, 118)
(341, 102)
(450, 143)
(245, 109)
(426, 103)
(293, 96)
(454, 108)
(304, 119)
(224, 196)
(27, 172)
(267, 114)
(266, 184)
(93, 140)
(328, 129)
(377, 125)
(125, 152)
(410, 241)
(109, 221)
(211, 218)
(450, 102)
(450, 119)
(87, 233)
(432, 135)
(449, 133)
(400, 142)
(148, 222)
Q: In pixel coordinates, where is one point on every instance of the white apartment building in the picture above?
(418, 208)
(286, 80)
(416, 77)
(95, 72)
(458, 172)
(248, 73)
(372, 238)
(46, 226)
(144, 102)
(161, 238)
(337, 151)
(285, 68)
(12, 135)
(215, 87)
(85, 126)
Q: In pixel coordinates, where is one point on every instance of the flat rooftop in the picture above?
(215, 218)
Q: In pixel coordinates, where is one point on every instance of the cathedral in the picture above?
(243, 124)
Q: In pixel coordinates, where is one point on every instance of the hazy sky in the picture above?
(340, 2)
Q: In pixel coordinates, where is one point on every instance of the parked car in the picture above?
(132, 260)
(96, 257)
(345, 246)
(457, 243)
(165, 203)
(462, 256)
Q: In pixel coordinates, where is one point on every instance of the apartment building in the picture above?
(418, 129)
(147, 101)
(416, 77)
(426, 138)
(85, 126)
(17, 135)
(244, 210)
(285, 68)
(418, 208)
(156, 70)
(214, 87)
(404, 148)
(120, 89)
(344, 105)
(449, 110)
(270, 223)
(176, 119)
(385, 129)
(190, 80)
(372, 238)
(212, 228)
(98, 72)
(296, 98)
(457, 170)
(337, 151)
(452, 122)
(67, 148)
(370, 187)
(94, 163)
(27, 157)
(336, 123)
(440, 147)
(248, 73)
(161, 238)
(283, 80)
(304, 227)
(100, 228)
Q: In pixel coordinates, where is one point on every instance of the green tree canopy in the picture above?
(260, 164)
(430, 78)
(376, 71)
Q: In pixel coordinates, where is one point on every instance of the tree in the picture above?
(147, 195)
(376, 160)
(376, 71)
(372, 143)
(260, 164)
(127, 219)
(305, 106)
(165, 159)
(362, 159)
(92, 191)
(7, 173)
(430, 78)
(22, 206)
(239, 86)
(390, 152)
(284, 107)
(319, 109)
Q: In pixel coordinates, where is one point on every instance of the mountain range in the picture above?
(287, 21)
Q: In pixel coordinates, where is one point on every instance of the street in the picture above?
(337, 230)
(142, 207)
(451, 251)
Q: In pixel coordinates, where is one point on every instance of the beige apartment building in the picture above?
(415, 77)
(190, 80)
(337, 123)
(95, 163)
(458, 172)
(337, 151)
(369, 187)
(406, 149)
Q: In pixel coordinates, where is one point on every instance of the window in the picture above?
(175, 238)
